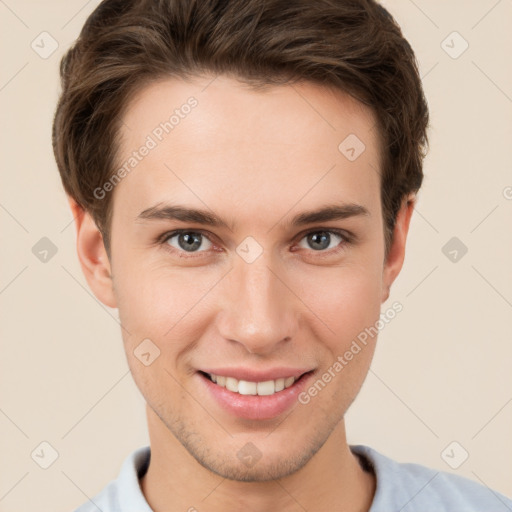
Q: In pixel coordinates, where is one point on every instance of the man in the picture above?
(243, 175)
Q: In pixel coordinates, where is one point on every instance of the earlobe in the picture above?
(93, 256)
(396, 256)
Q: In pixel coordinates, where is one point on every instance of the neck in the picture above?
(331, 480)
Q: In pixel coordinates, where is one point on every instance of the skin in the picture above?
(254, 159)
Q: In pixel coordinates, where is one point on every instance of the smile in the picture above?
(264, 397)
(244, 387)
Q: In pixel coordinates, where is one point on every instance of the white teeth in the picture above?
(266, 388)
(244, 387)
(247, 388)
(232, 384)
(289, 381)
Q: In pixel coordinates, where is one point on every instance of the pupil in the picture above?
(191, 241)
(315, 239)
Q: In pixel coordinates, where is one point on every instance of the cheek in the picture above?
(349, 304)
(158, 303)
(345, 299)
(161, 307)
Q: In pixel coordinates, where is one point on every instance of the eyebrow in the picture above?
(205, 217)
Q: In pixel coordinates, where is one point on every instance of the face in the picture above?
(255, 289)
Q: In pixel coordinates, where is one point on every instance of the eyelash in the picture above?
(346, 239)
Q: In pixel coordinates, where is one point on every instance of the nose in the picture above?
(259, 310)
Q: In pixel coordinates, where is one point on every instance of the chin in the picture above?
(273, 468)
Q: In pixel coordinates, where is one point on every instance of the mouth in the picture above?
(246, 387)
(260, 399)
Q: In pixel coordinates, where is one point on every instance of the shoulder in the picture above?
(106, 500)
(412, 487)
(123, 494)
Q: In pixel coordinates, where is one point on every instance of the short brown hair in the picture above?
(354, 46)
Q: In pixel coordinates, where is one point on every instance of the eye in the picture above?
(322, 240)
(189, 243)
(186, 241)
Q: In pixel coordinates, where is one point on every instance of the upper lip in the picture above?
(257, 376)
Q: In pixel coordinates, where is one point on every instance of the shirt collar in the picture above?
(130, 497)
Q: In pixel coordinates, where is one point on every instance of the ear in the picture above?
(92, 255)
(396, 256)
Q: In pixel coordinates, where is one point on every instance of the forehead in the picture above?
(214, 141)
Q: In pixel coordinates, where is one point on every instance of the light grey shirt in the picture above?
(401, 487)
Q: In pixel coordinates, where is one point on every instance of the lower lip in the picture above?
(255, 407)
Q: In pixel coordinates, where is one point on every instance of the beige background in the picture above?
(442, 368)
